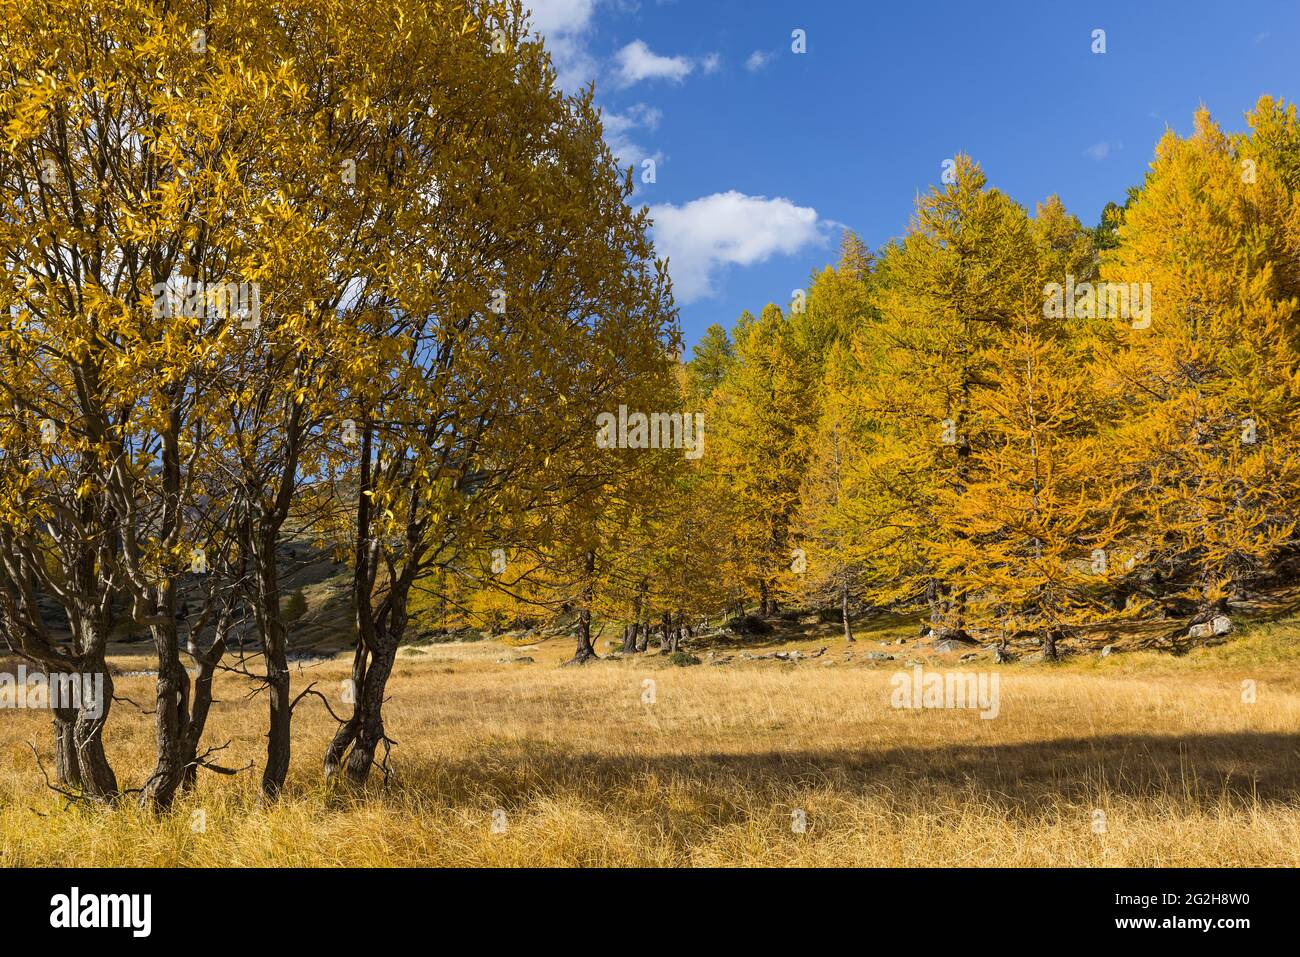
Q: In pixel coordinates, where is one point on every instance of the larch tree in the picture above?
(1039, 523)
(946, 294)
(1201, 389)
(839, 305)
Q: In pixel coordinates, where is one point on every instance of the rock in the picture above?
(884, 644)
(901, 641)
(1204, 629)
(951, 644)
(521, 660)
(1221, 624)
(1107, 651)
(879, 656)
(1000, 656)
(924, 632)
(969, 656)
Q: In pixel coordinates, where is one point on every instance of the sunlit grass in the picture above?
(712, 772)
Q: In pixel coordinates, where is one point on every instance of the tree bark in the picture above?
(67, 771)
(585, 652)
(171, 706)
(199, 709)
(370, 713)
(947, 614)
(274, 650)
(844, 612)
(337, 749)
(98, 782)
(171, 718)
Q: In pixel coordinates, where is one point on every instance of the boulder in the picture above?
(952, 644)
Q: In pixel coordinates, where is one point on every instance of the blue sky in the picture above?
(763, 155)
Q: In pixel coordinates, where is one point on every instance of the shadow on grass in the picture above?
(1198, 771)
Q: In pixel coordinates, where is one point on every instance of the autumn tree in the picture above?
(946, 295)
(535, 304)
(136, 192)
(1201, 388)
(839, 306)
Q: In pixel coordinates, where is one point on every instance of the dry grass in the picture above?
(710, 774)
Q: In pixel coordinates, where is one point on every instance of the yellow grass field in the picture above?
(714, 771)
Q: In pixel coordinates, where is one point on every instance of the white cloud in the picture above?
(1098, 151)
(711, 63)
(564, 24)
(620, 129)
(561, 16)
(706, 235)
(637, 62)
(757, 60)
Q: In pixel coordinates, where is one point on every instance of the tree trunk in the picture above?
(631, 641)
(947, 615)
(98, 782)
(278, 735)
(337, 749)
(356, 742)
(370, 713)
(202, 704)
(67, 771)
(275, 651)
(844, 612)
(171, 708)
(764, 602)
(1050, 638)
(665, 633)
(585, 652)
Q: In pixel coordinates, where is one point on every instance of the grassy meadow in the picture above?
(504, 762)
